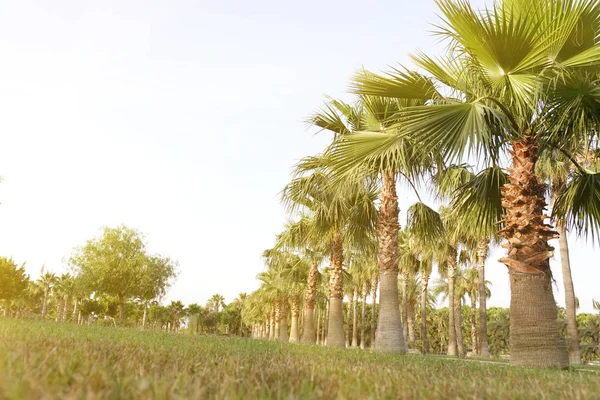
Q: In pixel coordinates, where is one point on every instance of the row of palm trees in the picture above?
(516, 95)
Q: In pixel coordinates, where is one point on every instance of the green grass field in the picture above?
(49, 360)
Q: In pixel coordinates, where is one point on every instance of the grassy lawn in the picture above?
(49, 360)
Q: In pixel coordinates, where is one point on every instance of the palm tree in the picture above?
(216, 302)
(512, 80)
(557, 170)
(177, 311)
(345, 215)
(303, 236)
(195, 311)
(47, 282)
(348, 158)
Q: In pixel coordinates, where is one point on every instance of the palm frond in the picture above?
(579, 203)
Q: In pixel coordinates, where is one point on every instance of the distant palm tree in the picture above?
(47, 282)
(216, 302)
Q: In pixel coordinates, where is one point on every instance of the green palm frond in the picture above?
(579, 203)
(425, 224)
(478, 203)
(399, 84)
(447, 180)
(455, 130)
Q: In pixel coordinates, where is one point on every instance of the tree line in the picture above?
(499, 127)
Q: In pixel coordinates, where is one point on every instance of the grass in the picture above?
(50, 360)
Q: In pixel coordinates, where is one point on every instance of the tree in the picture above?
(113, 264)
(155, 277)
(47, 282)
(216, 302)
(13, 282)
(346, 216)
(513, 79)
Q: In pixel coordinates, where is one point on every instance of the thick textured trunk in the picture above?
(424, 337)
(363, 314)
(570, 310)
(45, 303)
(374, 283)
(295, 316)
(389, 332)
(404, 282)
(474, 346)
(535, 339)
(308, 315)
(411, 325)
(283, 323)
(482, 248)
(460, 341)
(354, 320)
(335, 325)
(452, 350)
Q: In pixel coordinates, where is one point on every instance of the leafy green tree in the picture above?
(117, 264)
(155, 277)
(13, 282)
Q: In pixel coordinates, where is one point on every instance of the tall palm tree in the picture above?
(346, 160)
(556, 170)
(512, 83)
(303, 236)
(47, 282)
(345, 214)
(216, 302)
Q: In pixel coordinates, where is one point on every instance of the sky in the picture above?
(183, 119)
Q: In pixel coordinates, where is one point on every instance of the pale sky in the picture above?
(183, 119)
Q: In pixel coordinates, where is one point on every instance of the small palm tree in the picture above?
(47, 282)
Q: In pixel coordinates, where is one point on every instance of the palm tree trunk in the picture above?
(354, 319)
(389, 331)
(349, 321)
(474, 346)
(570, 310)
(460, 342)
(308, 315)
(295, 316)
(65, 308)
(482, 248)
(59, 306)
(283, 322)
(45, 303)
(363, 314)
(411, 325)
(318, 312)
(335, 325)
(75, 305)
(374, 283)
(326, 324)
(452, 350)
(404, 283)
(424, 337)
(535, 339)
(277, 329)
